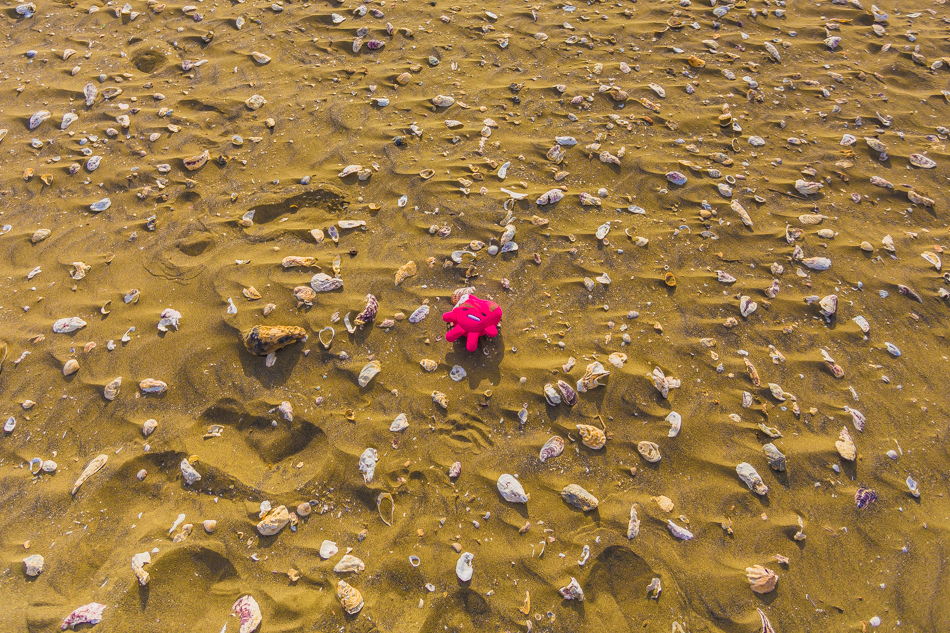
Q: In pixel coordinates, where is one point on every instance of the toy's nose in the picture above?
(473, 317)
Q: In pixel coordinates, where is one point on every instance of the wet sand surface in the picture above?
(520, 74)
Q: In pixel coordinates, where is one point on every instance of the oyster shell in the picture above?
(67, 325)
(349, 564)
(188, 472)
(845, 445)
(747, 306)
(151, 385)
(776, 457)
(679, 532)
(650, 451)
(576, 496)
(924, 162)
(419, 314)
(633, 525)
(322, 282)
(248, 613)
(262, 340)
(369, 372)
(429, 364)
(400, 423)
(406, 271)
(552, 448)
(511, 489)
(368, 464)
(568, 395)
(663, 383)
(552, 395)
(761, 579)
(349, 597)
(194, 163)
(751, 477)
(676, 423)
(274, 521)
(442, 101)
(463, 568)
(111, 391)
(369, 312)
(550, 197)
(91, 469)
(591, 436)
(440, 399)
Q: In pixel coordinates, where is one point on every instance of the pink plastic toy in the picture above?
(473, 317)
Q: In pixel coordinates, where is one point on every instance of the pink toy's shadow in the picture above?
(479, 366)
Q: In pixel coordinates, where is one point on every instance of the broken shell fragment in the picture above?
(572, 591)
(650, 451)
(94, 466)
(111, 390)
(188, 472)
(349, 564)
(273, 521)
(511, 489)
(350, 598)
(248, 612)
(86, 614)
(369, 372)
(591, 436)
(369, 312)
(71, 324)
(322, 282)
(776, 457)
(194, 163)
(406, 271)
(845, 445)
(595, 371)
(262, 340)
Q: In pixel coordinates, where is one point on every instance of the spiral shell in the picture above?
(591, 436)
(552, 448)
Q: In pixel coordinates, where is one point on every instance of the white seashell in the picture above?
(817, 263)
(168, 318)
(367, 464)
(369, 372)
(401, 423)
(751, 478)
(442, 101)
(328, 549)
(676, 422)
(71, 324)
(38, 118)
(188, 472)
(322, 282)
(419, 314)
(248, 612)
(511, 489)
(68, 119)
(349, 564)
(457, 373)
(747, 306)
(463, 569)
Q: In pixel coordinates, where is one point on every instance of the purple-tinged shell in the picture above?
(550, 197)
(86, 614)
(419, 314)
(864, 497)
(567, 393)
(676, 178)
(369, 312)
(375, 45)
(455, 470)
(552, 448)
(679, 532)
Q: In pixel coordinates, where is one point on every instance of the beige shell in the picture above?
(650, 451)
(151, 385)
(876, 144)
(349, 564)
(591, 436)
(595, 371)
(322, 282)
(845, 445)
(761, 579)
(429, 364)
(294, 261)
(579, 498)
(665, 503)
(193, 163)
(274, 521)
(94, 466)
(406, 271)
(349, 597)
(260, 58)
(440, 399)
(70, 367)
(369, 372)
(112, 389)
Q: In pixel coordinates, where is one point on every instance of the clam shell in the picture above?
(552, 448)
(369, 372)
(350, 598)
(650, 451)
(576, 496)
(401, 423)
(511, 489)
(322, 282)
(919, 160)
(591, 436)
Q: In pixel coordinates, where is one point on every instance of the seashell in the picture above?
(911, 486)
(149, 426)
(550, 197)
(633, 525)
(552, 448)
(676, 423)
(761, 579)
(304, 295)
(658, 89)
(552, 395)
(773, 52)
(150, 385)
(933, 259)
(572, 591)
(919, 160)
(112, 389)
(255, 102)
(349, 564)
(864, 497)
(649, 451)
(168, 317)
(248, 612)
(857, 418)
(862, 323)
(70, 367)
(262, 340)
(90, 92)
(39, 235)
(576, 496)
(511, 489)
(845, 445)
(442, 101)
(350, 598)
(695, 62)
(188, 472)
(591, 436)
(100, 205)
(94, 466)
(34, 565)
(367, 464)
(679, 532)
(772, 291)
(587, 200)
(368, 313)
(419, 314)
(747, 306)
(457, 373)
(260, 58)
(751, 477)
(662, 382)
(38, 118)
(827, 234)
(595, 371)
(775, 457)
(326, 340)
(399, 424)
(406, 271)
(568, 395)
(817, 263)
(617, 359)
(111, 92)
(463, 568)
(919, 198)
(725, 277)
(832, 42)
(287, 410)
(322, 282)
(193, 163)
(429, 365)
(876, 144)
(806, 188)
(88, 613)
(455, 470)
(296, 261)
(328, 550)
(403, 79)
(369, 372)
(67, 325)
(677, 178)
